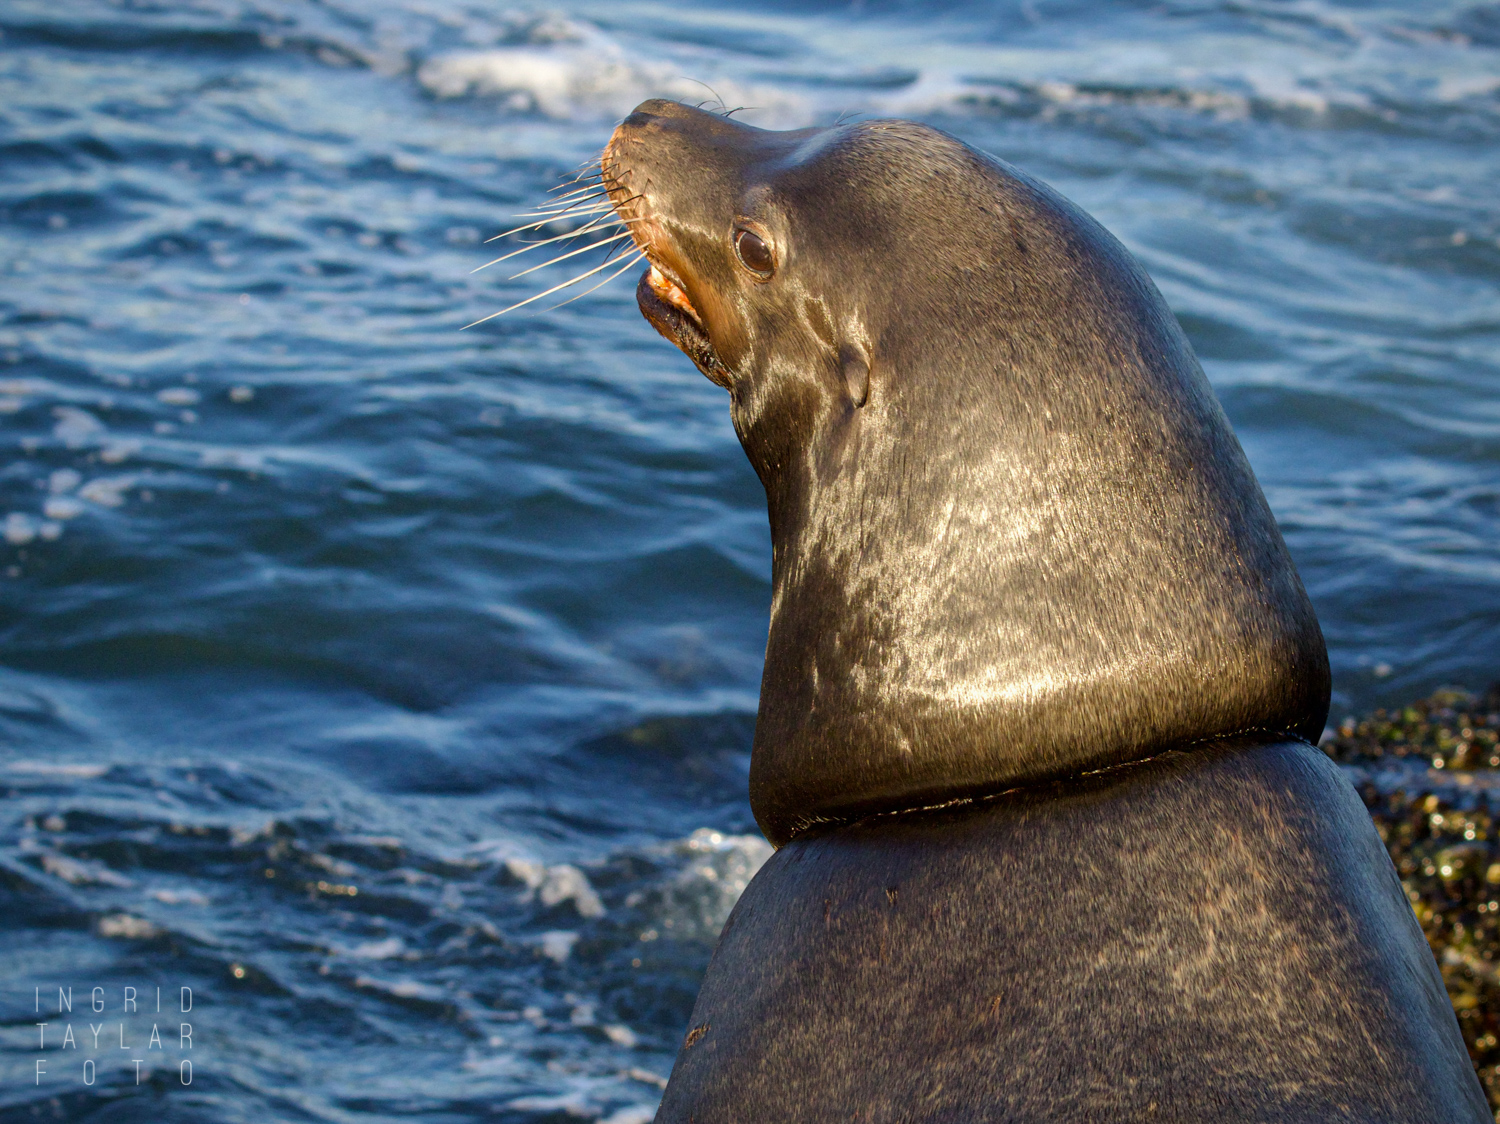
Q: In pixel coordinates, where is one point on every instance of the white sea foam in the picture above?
(106, 491)
(79, 872)
(19, 528)
(1460, 87)
(247, 460)
(64, 480)
(568, 883)
(577, 71)
(574, 1104)
(716, 869)
(62, 507)
(76, 428)
(58, 769)
(115, 452)
(128, 927)
(402, 989)
(554, 885)
(378, 950)
(572, 69)
(620, 1034)
(557, 944)
(634, 1114)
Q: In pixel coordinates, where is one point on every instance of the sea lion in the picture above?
(1041, 679)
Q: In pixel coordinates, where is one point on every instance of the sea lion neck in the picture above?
(1014, 537)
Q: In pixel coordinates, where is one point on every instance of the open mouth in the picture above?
(670, 312)
(661, 296)
(668, 290)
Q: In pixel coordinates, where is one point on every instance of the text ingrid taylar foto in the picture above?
(140, 1031)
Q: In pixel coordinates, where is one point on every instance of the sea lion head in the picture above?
(1014, 538)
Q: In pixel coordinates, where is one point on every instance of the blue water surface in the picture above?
(391, 685)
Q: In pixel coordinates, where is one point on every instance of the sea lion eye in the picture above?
(753, 253)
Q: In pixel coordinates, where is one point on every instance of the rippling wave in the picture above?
(391, 685)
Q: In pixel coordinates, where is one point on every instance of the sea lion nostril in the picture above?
(655, 108)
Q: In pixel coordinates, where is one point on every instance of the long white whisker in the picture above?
(585, 165)
(590, 185)
(601, 217)
(594, 183)
(639, 254)
(592, 197)
(556, 238)
(612, 250)
(559, 205)
(583, 192)
(539, 296)
(534, 245)
(582, 207)
(591, 228)
(591, 209)
(566, 206)
(543, 222)
(572, 254)
(599, 208)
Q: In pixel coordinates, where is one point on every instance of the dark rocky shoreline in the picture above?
(1430, 775)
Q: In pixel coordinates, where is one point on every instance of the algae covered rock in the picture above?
(1429, 774)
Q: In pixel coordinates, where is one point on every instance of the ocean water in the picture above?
(390, 686)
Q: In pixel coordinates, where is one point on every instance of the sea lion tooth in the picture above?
(669, 292)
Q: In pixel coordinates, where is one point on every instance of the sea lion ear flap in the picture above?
(856, 369)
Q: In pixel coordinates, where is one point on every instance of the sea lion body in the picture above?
(1040, 676)
(1215, 935)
